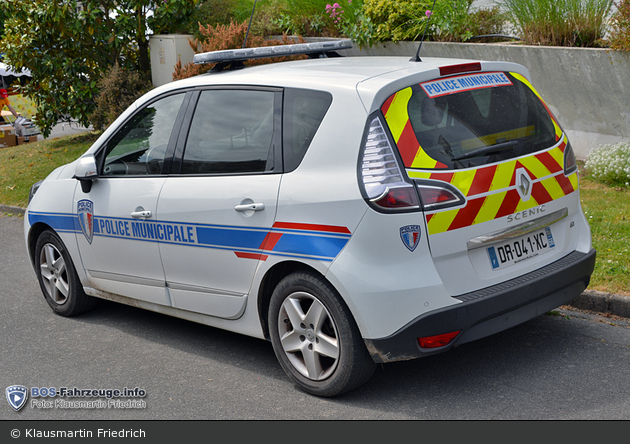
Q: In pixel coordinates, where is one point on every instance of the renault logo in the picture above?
(523, 184)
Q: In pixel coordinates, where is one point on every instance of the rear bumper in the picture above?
(491, 310)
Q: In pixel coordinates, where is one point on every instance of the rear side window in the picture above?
(231, 132)
(469, 120)
(303, 113)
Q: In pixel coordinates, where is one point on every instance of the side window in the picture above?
(303, 113)
(231, 132)
(140, 144)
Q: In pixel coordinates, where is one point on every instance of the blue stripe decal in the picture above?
(304, 244)
(325, 246)
(230, 238)
(57, 221)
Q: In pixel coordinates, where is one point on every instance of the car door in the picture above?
(119, 244)
(222, 204)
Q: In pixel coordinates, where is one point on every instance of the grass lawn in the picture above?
(23, 165)
(607, 208)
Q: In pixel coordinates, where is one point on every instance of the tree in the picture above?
(68, 46)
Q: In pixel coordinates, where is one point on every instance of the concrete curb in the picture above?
(606, 303)
(10, 209)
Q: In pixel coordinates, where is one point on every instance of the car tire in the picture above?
(315, 337)
(58, 278)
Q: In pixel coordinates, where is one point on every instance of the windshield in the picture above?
(468, 120)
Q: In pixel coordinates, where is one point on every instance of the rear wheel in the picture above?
(58, 278)
(315, 338)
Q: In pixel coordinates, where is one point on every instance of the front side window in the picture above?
(138, 148)
(231, 132)
(469, 120)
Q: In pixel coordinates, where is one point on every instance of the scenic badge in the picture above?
(85, 211)
(17, 396)
(410, 235)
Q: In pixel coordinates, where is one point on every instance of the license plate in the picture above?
(521, 249)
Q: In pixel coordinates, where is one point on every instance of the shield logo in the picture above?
(410, 235)
(85, 211)
(523, 184)
(17, 396)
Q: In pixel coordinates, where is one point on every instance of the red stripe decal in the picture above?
(565, 184)
(445, 177)
(466, 216)
(549, 162)
(540, 193)
(270, 241)
(311, 227)
(256, 256)
(482, 181)
(510, 202)
(408, 145)
(387, 104)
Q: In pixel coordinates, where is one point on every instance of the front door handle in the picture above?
(250, 207)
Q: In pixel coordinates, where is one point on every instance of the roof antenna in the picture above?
(250, 24)
(417, 57)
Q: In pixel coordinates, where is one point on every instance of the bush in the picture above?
(396, 20)
(307, 18)
(450, 20)
(118, 89)
(559, 22)
(620, 23)
(232, 36)
(610, 164)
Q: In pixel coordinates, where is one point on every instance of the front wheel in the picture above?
(315, 338)
(57, 277)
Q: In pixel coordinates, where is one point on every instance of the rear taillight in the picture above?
(382, 179)
(436, 195)
(570, 164)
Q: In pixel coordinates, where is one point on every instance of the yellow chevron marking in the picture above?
(490, 207)
(553, 188)
(397, 116)
(441, 221)
(463, 180)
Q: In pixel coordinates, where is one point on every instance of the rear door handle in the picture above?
(250, 207)
(141, 214)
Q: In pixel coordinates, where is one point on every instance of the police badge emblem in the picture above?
(85, 211)
(17, 396)
(410, 235)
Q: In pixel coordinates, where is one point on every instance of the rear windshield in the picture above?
(469, 120)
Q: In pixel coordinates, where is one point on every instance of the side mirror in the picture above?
(86, 172)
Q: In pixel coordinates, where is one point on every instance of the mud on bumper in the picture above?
(491, 310)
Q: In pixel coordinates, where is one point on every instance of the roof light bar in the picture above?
(242, 54)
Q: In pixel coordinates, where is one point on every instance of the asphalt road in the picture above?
(571, 366)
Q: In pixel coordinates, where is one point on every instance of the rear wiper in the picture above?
(487, 150)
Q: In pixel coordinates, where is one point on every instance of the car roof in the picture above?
(372, 78)
(335, 73)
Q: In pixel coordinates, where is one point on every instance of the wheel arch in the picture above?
(33, 234)
(271, 280)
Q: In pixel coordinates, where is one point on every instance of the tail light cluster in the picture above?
(384, 183)
(570, 164)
